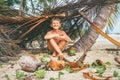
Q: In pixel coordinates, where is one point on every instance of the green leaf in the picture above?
(81, 64)
(71, 52)
(40, 73)
(19, 74)
(52, 78)
(1, 65)
(100, 69)
(115, 73)
(95, 64)
(60, 73)
(67, 68)
(108, 63)
(44, 60)
(7, 76)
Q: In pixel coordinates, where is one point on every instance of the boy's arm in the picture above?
(50, 35)
(66, 37)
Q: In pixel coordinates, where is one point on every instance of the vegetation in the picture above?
(19, 74)
(60, 74)
(115, 74)
(71, 51)
(43, 60)
(40, 73)
(7, 76)
(0, 65)
(52, 79)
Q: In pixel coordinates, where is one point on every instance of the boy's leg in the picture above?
(52, 49)
(62, 45)
(54, 46)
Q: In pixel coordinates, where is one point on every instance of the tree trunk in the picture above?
(86, 42)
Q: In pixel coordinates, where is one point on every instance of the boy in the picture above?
(56, 38)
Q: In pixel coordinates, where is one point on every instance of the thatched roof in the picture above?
(6, 11)
(27, 28)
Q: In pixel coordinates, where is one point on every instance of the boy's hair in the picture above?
(55, 18)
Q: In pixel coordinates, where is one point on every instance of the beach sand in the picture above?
(102, 50)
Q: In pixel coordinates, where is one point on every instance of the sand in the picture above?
(102, 49)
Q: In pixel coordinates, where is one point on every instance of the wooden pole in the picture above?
(23, 35)
(25, 24)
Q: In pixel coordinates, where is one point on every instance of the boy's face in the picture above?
(55, 24)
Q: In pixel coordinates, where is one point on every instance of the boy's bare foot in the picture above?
(60, 57)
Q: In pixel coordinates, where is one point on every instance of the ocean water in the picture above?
(115, 36)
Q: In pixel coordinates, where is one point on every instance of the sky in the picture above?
(116, 21)
(116, 25)
(116, 28)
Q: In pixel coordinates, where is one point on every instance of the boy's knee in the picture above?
(51, 40)
(63, 41)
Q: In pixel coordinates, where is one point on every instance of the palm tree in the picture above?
(86, 42)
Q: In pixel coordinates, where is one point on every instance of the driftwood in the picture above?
(60, 64)
(90, 77)
(82, 58)
(117, 60)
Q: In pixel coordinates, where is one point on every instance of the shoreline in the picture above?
(103, 43)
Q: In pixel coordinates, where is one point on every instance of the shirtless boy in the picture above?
(56, 38)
